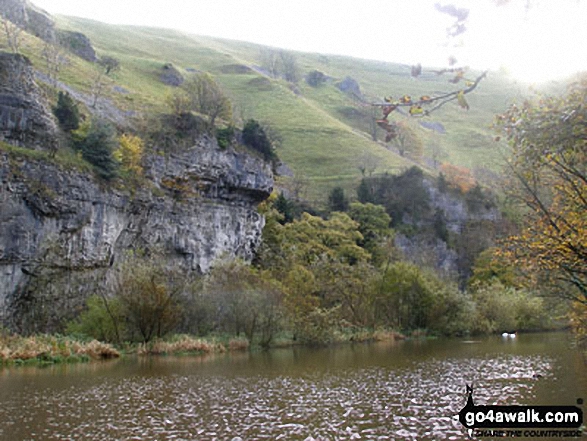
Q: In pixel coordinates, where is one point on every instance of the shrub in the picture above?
(102, 320)
(67, 112)
(97, 143)
(255, 137)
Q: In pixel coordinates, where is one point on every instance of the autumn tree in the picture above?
(548, 166)
(130, 154)
(206, 97)
(149, 295)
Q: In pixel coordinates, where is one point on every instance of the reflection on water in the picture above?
(406, 391)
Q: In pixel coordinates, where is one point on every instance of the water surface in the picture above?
(404, 391)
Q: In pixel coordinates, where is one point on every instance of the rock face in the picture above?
(171, 76)
(25, 118)
(63, 234)
(351, 86)
(77, 43)
(27, 16)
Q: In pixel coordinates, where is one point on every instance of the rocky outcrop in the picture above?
(63, 235)
(351, 86)
(27, 16)
(77, 43)
(25, 118)
(171, 76)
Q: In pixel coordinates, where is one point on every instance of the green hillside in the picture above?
(325, 132)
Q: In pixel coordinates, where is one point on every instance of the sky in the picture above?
(535, 44)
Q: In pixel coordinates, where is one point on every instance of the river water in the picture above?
(407, 390)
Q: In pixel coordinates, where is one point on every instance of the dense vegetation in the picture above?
(330, 267)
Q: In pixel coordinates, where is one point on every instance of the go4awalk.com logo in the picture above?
(521, 421)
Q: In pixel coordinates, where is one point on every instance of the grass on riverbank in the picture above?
(51, 349)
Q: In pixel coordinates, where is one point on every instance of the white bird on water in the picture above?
(509, 335)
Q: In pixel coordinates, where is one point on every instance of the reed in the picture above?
(47, 349)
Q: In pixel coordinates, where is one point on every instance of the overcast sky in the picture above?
(544, 42)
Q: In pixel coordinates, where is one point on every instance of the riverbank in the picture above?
(54, 349)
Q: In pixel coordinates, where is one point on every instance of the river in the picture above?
(407, 390)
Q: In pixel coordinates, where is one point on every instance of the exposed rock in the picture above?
(351, 86)
(171, 76)
(433, 125)
(77, 43)
(63, 235)
(25, 117)
(27, 16)
(236, 69)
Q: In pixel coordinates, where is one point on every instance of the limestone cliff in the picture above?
(63, 232)
(25, 117)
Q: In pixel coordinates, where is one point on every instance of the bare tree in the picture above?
(206, 97)
(107, 66)
(289, 63)
(270, 62)
(55, 57)
(13, 34)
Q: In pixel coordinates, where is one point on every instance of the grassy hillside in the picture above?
(325, 132)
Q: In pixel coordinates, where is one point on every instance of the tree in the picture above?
(13, 31)
(110, 64)
(548, 164)
(337, 201)
(107, 66)
(149, 294)
(67, 112)
(246, 301)
(407, 140)
(270, 62)
(205, 96)
(255, 136)
(54, 56)
(289, 63)
(130, 154)
(374, 226)
(97, 142)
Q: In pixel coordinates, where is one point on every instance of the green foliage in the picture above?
(103, 320)
(255, 137)
(337, 201)
(505, 309)
(404, 196)
(285, 207)
(97, 143)
(67, 112)
(374, 226)
(225, 137)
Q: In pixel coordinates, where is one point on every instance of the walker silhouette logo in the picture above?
(518, 417)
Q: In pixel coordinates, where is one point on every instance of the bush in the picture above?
(225, 137)
(97, 143)
(500, 308)
(67, 112)
(255, 137)
(103, 320)
(337, 201)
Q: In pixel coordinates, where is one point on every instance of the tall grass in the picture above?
(51, 349)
